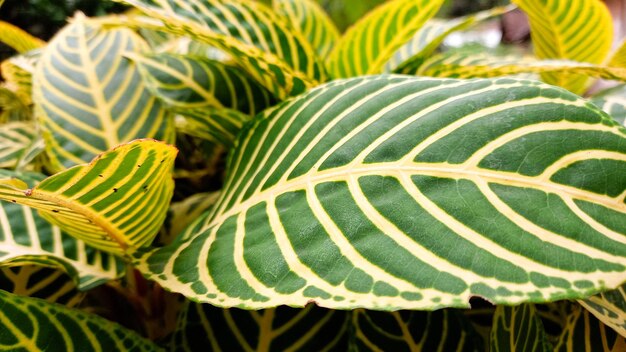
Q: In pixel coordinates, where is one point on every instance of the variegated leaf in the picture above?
(518, 328)
(373, 40)
(116, 203)
(90, 98)
(397, 192)
(204, 327)
(613, 102)
(51, 285)
(309, 18)
(441, 330)
(458, 64)
(619, 57)
(12, 107)
(18, 39)
(31, 324)
(578, 30)
(17, 73)
(217, 125)
(15, 139)
(26, 238)
(182, 214)
(186, 82)
(428, 38)
(260, 41)
(584, 333)
(610, 308)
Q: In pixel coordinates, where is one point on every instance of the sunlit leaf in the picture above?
(18, 39)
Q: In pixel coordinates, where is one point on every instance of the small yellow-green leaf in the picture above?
(115, 203)
(619, 57)
(18, 39)
(372, 41)
(578, 30)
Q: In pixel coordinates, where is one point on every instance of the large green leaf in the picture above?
(389, 192)
(428, 38)
(204, 327)
(116, 203)
(518, 328)
(15, 139)
(578, 30)
(613, 102)
(442, 330)
(90, 98)
(49, 284)
(373, 40)
(309, 18)
(259, 40)
(31, 324)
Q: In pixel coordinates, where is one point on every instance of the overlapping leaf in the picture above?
(442, 330)
(346, 194)
(17, 73)
(583, 332)
(203, 327)
(34, 325)
(90, 97)
(613, 102)
(578, 30)
(518, 328)
(619, 57)
(15, 139)
(426, 40)
(12, 106)
(183, 213)
(18, 39)
(51, 285)
(462, 64)
(372, 41)
(263, 43)
(610, 308)
(116, 203)
(308, 17)
(216, 125)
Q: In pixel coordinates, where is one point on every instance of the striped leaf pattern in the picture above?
(260, 41)
(216, 125)
(90, 98)
(610, 308)
(15, 139)
(204, 327)
(17, 73)
(373, 40)
(373, 192)
(18, 39)
(185, 82)
(613, 102)
(441, 330)
(31, 324)
(619, 57)
(584, 333)
(182, 214)
(51, 285)
(116, 203)
(12, 107)
(578, 30)
(428, 38)
(309, 18)
(463, 64)
(518, 328)
(26, 238)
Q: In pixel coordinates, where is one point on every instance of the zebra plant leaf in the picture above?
(18, 39)
(458, 64)
(428, 38)
(36, 325)
(116, 203)
(49, 284)
(187, 82)
(613, 102)
(374, 192)
(90, 98)
(518, 328)
(26, 238)
(583, 332)
(17, 73)
(12, 106)
(217, 125)
(610, 308)
(182, 214)
(201, 326)
(15, 139)
(441, 330)
(373, 40)
(309, 18)
(577, 30)
(259, 40)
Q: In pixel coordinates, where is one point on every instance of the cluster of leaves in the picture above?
(306, 189)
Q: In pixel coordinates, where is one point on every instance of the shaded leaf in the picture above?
(518, 328)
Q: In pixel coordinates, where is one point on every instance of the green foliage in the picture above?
(332, 191)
